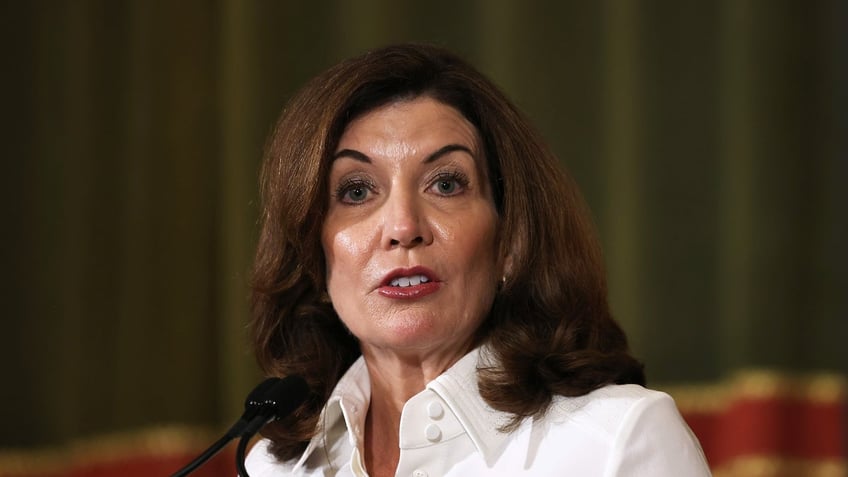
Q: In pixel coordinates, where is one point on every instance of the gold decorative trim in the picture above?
(774, 466)
(113, 447)
(755, 384)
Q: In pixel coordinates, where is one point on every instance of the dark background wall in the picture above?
(708, 137)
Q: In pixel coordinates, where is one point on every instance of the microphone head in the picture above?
(276, 397)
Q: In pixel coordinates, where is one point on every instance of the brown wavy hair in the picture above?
(550, 326)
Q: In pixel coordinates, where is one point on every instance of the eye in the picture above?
(447, 186)
(354, 191)
(355, 194)
(449, 183)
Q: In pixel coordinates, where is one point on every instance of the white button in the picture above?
(357, 430)
(435, 410)
(433, 433)
(419, 473)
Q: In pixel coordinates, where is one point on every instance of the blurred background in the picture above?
(709, 137)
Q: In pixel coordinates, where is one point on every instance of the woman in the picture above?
(432, 273)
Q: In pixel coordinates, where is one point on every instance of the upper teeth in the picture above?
(409, 281)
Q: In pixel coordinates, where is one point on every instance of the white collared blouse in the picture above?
(448, 430)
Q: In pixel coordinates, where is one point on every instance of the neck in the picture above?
(396, 377)
(394, 380)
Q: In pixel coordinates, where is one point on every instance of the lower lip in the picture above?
(411, 292)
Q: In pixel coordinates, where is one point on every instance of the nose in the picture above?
(405, 223)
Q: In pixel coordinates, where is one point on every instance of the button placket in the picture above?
(435, 411)
(433, 433)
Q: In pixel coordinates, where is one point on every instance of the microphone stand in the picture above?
(206, 455)
(270, 400)
(240, 457)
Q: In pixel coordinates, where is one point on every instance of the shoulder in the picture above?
(605, 408)
(636, 430)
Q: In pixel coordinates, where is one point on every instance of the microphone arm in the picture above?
(272, 399)
(240, 456)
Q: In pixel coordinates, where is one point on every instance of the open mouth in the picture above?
(409, 277)
(409, 281)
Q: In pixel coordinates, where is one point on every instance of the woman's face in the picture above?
(409, 236)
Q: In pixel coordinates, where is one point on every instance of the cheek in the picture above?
(345, 250)
(481, 240)
(475, 252)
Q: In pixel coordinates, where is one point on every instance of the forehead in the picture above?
(413, 123)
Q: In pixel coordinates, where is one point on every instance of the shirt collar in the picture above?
(457, 387)
(348, 403)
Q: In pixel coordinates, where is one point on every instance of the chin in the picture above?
(408, 335)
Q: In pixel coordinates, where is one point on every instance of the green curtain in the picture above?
(710, 138)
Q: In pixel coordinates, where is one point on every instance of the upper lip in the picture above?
(408, 272)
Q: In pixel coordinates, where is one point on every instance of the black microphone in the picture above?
(272, 399)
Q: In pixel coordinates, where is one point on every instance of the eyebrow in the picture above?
(444, 150)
